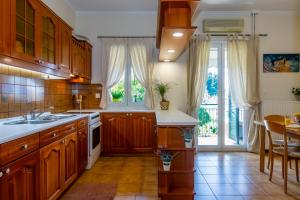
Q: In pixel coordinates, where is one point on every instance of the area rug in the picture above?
(91, 191)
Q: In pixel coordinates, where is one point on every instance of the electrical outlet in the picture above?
(97, 95)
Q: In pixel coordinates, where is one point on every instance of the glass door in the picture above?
(221, 122)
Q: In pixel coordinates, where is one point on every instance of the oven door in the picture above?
(94, 136)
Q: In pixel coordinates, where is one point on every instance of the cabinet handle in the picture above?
(127, 114)
(130, 114)
(63, 141)
(7, 171)
(1, 174)
(25, 146)
(54, 134)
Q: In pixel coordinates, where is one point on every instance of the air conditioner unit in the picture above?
(223, 25)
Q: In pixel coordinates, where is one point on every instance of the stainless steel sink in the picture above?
(28, 122)
(41, 120)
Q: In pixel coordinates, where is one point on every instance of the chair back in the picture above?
(275, 123)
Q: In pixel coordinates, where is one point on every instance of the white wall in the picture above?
(283, 29)
(63, 9)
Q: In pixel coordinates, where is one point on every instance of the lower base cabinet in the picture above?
(82, 149)
(20, 179)
(58, 163)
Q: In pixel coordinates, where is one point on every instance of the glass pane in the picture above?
(208, 112)
(51, 56)
(137, 90)
(29, 13)
(45, 24)
(45, 40)
(20, 8)
(20, 26)
(29, 47)
(20, 44)
(45, 54)
(118, 91)
(29, 31)
(50, 27)
(51, 44)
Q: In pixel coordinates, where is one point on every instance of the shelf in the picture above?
(160, 170)
(176, 191)
(176, 149)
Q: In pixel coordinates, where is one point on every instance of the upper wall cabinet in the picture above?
(174, 27)
(24, 29)
(5, 25)
(81, 60)
(34, 38)
(65, 48)
(49, 34)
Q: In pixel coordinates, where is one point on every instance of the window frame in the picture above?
(127, 101)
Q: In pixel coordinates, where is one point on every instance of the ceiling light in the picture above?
(167, 60)
(177, 34)
(171, 51)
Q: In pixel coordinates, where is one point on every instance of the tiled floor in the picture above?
(231, 176)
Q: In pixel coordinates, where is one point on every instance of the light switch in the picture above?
(97, 95)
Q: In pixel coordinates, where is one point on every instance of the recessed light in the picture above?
(177, 34)
(167, 60)
(171, 51)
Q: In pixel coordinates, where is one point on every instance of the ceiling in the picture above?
(206, 5)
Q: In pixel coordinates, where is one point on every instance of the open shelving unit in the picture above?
(178, 183)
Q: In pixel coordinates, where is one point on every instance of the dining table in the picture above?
(293, 131)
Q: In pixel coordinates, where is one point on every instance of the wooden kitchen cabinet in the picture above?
(128, 132)
(82, 149)
(49, 36)
(65, 37)
(115, 132)
(70, 157)
(142, 127)
(20, 179)
(52, 165)
(88, 64)
(5, 12)
(24, 23)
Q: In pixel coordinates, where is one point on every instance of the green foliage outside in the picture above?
(203, 116)
(212, 84)
(118, 92)
(137, 91)
(207, 126)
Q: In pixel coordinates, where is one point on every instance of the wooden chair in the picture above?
(284, 151)
(278, 142)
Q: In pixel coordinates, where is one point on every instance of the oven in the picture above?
(94, 139)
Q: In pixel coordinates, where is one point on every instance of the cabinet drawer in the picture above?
(68, 128)
(15, 149)
(50, 135)
(82, 123)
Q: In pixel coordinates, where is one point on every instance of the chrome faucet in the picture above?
(34, 115)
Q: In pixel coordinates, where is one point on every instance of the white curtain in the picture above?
(199, 49)
(142, 54)
(113, 62)
(243, 81)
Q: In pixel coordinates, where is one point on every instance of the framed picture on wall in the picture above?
(281, 62)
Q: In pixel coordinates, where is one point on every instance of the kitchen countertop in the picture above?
(163, 118)
(12, 132)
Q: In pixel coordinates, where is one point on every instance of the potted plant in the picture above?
(296, 92)
(117, 95)
(162, 89)
(188, 137)
(166, 157)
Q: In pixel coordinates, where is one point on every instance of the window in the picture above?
(128, 91)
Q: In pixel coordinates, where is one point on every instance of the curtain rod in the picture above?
(126, 37)
(239, 34)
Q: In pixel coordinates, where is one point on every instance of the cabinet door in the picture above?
(82, 149)
(142, 132)
(5, 25)
(115, 133)
(65, 48)
(78, 57)
(21, 179)
(52, 169)
(24, 29)
(88, 64)
(49, 46)
(70, 149)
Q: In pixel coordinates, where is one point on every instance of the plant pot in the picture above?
(116, 100)
(188, 143)
(164, 105)
(166, 166)
(297, 97)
